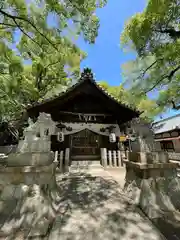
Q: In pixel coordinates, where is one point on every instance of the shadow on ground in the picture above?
(77, 208)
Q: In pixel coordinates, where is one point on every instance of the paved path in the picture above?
(95, 208)
(90, 206)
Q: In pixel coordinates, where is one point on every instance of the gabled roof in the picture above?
(167, 124)
(86, 78)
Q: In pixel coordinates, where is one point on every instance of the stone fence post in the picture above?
(61, 160)
(110, 158)
(67, 155)
(114, 159)
(104, 157)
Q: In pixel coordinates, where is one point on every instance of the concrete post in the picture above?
(104, 157)
(61, 160)
(114, 159)
(119, 160)
(67, 153)
(56, 157)
(110, 158)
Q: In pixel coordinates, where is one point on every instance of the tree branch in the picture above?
(8, 24)
(22, 30)
(13, 101)
(51, 64)
(29, 22)
(168, 76)
(150, 66)
(4, 73)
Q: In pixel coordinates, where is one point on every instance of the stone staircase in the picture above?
(84, 166)
(85, 157)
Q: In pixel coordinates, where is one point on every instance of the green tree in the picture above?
(154, 35)
(142, 103)
(38, 57)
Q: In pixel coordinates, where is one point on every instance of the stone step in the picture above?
(78, 166)
(85, 162)
(86, 166)
(85, 157)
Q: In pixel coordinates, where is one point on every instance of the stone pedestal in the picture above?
(30, 159)
(33, 157)
(152, 182)
(27, 175)
(148, 157)
(29, 182)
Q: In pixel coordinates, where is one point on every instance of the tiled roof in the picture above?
(86, 75)
(167, 124)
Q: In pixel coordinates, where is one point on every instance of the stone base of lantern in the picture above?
(30, 159)
(154, 187)
(27, 175)
(27, 196)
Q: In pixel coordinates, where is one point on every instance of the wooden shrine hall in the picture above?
(88, 118)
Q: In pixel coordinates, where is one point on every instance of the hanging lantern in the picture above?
(60, 136)
(112, 137)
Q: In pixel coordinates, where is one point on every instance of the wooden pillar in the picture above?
(114, 158)
(110, 158)
(104, 157)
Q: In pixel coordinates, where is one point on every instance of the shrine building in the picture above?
(88, 118)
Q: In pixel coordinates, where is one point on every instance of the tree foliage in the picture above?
(141, 103)
(154, 35)
(38, 56)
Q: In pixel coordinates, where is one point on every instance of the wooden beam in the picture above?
(86, 114)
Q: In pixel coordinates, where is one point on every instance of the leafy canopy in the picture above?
(154, 35)
(38, 55)
(145, 105)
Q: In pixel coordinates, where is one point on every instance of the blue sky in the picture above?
(105, 57)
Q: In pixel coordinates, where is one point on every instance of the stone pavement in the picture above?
(95, 208)
(118, 174)
(87, 206)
